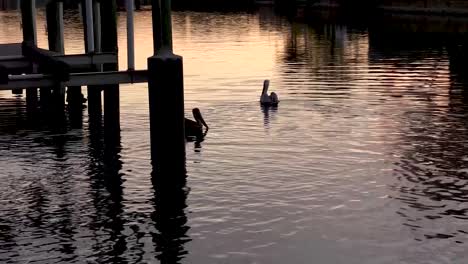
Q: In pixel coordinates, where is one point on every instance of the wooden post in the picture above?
(97, 25)
(94, 92)
(28, 20)
(54, 19)
(166, 95)
(130, 36)
(111, 92)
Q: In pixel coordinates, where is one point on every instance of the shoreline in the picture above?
(406, 9)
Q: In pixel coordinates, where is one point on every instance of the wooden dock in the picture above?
(18, 69)
(24, 66)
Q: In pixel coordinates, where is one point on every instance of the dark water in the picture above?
(364, 161)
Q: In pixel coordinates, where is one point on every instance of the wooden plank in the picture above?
(76, 79)
(75, 60)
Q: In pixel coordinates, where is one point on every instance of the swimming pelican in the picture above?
(195, 128)
(268, 100)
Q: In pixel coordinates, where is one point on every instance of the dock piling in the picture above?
(28, 20)
(55, 37)
(166, 95)
(54, 18)
(94, 92)
(90, 25)
(111, 92)
(130, 36)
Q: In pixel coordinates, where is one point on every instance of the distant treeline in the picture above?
(431, 6)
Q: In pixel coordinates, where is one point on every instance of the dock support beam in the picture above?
(28, 20)
(111, 92)
(130, 36)
(166, 96)
(54, 18)
(94, 93)
(89, 25)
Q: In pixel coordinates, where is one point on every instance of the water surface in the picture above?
(364, 161)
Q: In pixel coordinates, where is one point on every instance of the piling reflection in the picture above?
(106, 189)
(169, 218)
(269, 114)
(13, 115)
(46, 194)
(319, 59)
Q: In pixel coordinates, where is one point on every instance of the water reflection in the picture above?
(432, 182)
(170, 220)
(42, 214)
(106, 179)
(269, 115)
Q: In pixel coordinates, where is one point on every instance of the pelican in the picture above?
(195, 128)
(268, 100)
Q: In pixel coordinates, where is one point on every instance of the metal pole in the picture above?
(60, 29)
(130, 36)
(109, 43)
(94, 92)
(28, 20)
(97, 25)
(166, 25)
(54, 18)
(157, 34)
(89, 22)
(33, 7)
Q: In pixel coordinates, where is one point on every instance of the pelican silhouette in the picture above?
(268, 100)
(195, 128)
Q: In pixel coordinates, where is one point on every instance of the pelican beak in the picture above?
(198, 117)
